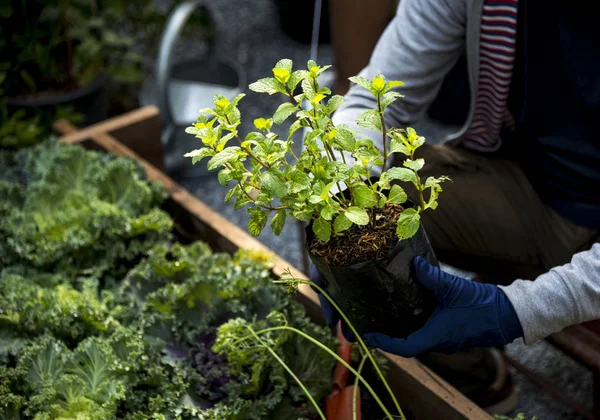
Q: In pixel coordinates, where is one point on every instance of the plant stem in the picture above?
(355, 391)
(335, 355)
(247, 150)
(356, 334)
(292, 374)
(342, 203)
(383, 131)
(291, 95)
(419, 184)
(270, 208)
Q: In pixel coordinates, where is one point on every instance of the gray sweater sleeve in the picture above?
(566, 295)
(419, 47)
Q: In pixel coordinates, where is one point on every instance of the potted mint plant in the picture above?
(363, 232)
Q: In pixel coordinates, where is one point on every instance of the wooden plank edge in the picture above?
(106, 126)
(412, 368)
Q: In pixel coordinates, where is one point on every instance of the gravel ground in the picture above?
(251, 34)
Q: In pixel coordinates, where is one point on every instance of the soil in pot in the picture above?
(362, 243)
(368, 273)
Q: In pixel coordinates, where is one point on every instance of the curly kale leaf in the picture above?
(120, 376)
(11, 403)
(81, 206)
(262, 378)
(30, 309)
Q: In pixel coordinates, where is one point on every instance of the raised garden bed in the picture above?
(420, 392)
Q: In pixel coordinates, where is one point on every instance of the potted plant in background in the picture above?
(65, 52)
(363, 232)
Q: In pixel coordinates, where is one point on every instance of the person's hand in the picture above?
(332, 317)
(469, 314)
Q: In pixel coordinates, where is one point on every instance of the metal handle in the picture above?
(175, 23)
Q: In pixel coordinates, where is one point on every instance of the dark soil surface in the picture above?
(362, 243)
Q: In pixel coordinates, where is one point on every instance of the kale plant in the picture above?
(78, 209)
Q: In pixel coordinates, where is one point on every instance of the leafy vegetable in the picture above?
(81, 207)
(103, 317)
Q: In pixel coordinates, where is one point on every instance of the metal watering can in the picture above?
(180, 90)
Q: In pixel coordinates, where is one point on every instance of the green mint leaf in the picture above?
(325, 191)
(364, 196)
(330, 210)
(236, 100)
(389, 98)
(364, 142)
(301, 181)
(345, 139)
(308, 89)
(199, 154)
(341, 223)
(361, 81)
(278, 222)
(224, 177)
(394, 83)
(303, 215)
(272, 184)
(396, 146)
(408, 223)
(402, 174)
(413, 138)
(296, 78)
(268, 85)
(397, 195)
(435, 190)
(369, 119)
(315, 199)
(368, 156)
(282, 75)
(321, 71)
(415, 165)
(222, 142)
(382, 201)
(284, 63)
(258, 221)
(283, 112)
(234, 117)
(241, 200)
(263, 199)
(231, 193)
(192, 130)
(221, 102)
(322, 229)
(433, 181)
(333, 103)
(433, 196)
(296, 125)
(357, 215)
(223, 157)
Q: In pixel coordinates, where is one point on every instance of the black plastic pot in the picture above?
(90, 100)
(382, 296)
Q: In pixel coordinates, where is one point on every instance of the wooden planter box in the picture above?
(420, 392)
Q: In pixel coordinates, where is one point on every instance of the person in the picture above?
(356, 25)
(525, 163)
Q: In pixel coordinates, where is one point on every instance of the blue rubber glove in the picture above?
(332, 317)
(469, 314)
